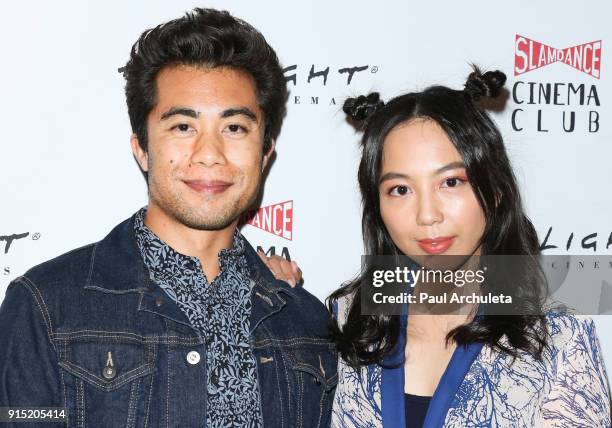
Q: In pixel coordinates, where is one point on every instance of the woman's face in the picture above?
(426, 201)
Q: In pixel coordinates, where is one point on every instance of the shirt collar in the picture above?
(147, 240)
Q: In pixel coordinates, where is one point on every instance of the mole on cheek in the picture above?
(171, 160)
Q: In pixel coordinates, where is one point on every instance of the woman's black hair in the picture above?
(206, 38)
(367, 339)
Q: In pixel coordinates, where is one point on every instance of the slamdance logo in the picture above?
(545, 106)
(276, 219)
(530, 55)
(307, 83)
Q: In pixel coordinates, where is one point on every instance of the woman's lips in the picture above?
(208, 186)
(436, 245)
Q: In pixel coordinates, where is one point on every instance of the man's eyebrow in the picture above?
(184, 111)
(244, 111)
(447, 167)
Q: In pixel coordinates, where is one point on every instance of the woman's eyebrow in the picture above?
(450, 166)
(393, 175)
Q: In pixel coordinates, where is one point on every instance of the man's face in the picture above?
(205, 142)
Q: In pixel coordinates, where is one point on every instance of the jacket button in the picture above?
(193, 357)
(109, 372)
(159, 302)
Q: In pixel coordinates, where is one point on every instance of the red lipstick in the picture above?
(436, 245)
(208, 186)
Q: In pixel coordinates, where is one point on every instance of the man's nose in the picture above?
(209, 149)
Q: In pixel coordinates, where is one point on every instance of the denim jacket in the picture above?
(62, 320)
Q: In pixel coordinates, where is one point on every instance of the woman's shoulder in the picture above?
(567, 329)
(579, 393)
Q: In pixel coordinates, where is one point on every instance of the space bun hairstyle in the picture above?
(489, 84)
(478, 85)
(359, 109)
(367, 339)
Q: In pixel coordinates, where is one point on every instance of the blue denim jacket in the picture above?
(60, 320)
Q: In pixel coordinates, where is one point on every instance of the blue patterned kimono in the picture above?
(483, 387)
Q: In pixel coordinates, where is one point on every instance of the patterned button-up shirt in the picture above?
(221, 312)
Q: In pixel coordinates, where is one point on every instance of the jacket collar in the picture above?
(116, 264)
(116, 267)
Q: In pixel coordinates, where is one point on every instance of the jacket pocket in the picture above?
(107, 380)
(316, 375)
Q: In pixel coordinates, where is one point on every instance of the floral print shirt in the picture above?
(221, 312)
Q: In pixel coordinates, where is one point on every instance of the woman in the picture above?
(435, 179)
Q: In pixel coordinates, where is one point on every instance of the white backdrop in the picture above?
(68, 176)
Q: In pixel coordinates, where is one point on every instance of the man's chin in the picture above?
(208, 220)
(202, 215)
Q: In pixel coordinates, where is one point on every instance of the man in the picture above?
(172, 319)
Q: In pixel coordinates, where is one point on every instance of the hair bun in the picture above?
(488, 84)
(360, 108)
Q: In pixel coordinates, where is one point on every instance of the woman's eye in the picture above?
(452, 182)
(399, 190)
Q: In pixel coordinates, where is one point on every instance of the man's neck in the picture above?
(203, 244)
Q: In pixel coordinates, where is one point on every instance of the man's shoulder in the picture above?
(73, 264)
(306, 300)
(302, 311)
(297, 297)
(47, 285)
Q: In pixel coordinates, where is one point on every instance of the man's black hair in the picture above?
(204, 38)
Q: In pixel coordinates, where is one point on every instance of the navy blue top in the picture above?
(416, 409)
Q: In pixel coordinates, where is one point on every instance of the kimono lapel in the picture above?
(392, 383)
(455, 372)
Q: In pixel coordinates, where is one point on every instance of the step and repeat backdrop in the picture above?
(68, 176)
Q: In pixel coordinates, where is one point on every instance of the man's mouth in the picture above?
(208, 186)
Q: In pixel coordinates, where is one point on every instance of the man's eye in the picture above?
(233, 128)
(182, 127)
(398, 190)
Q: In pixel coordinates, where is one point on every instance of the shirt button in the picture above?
(193, 357)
